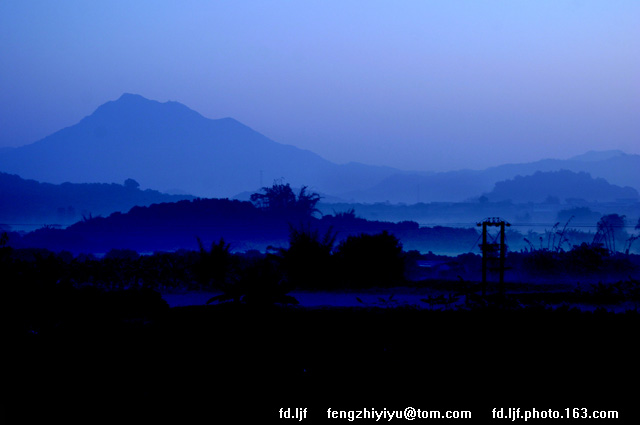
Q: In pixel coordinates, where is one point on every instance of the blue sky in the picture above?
(429, 85)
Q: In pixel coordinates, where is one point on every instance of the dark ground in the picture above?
(209, 361)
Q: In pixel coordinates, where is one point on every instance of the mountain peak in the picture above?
(131, 100)
(127, 101)
(132, 96)
(134, 107)
(136, 100)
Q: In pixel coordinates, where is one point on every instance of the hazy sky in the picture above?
(419, 84)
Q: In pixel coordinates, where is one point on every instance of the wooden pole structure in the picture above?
(485, 258)
(489, 251)
(503, 253)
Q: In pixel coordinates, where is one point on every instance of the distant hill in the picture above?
(561, 185)
(598, 155)
(178, 225)
(166, 226)
(453, 186)
(29, 201)
(174, 149)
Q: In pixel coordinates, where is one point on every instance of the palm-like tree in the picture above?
(281, 199)
(610, 228)
(215, 267)
(307, 261)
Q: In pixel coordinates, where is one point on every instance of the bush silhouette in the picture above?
(260, 282)
(307, 262)
(370, 260)
(215, 267)
(610, 231)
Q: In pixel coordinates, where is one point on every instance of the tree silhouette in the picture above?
(610, 228)
(216, 266)
(370, 260)
(280, 199)
(632, 239)
(307, 262)
(5, 250)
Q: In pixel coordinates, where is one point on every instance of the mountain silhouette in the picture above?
(563, 185)
(171, 148)
(616, 167)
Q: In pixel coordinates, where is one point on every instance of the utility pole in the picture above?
(489, 251)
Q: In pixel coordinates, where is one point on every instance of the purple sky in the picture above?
(428, 85)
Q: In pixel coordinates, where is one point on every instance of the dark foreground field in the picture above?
(210, 362)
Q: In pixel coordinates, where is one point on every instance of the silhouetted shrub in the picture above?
(370, 260)
(307, 263)
(5, 251)
(260, 282)
(123, 254)
(216, 267)
(541, 262)
(586, 257)
(611, 232)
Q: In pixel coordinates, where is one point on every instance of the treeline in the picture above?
(51, 291)
(266, 222)
(173, 226)
(29, 201)
(309, 262)
(312, 260)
